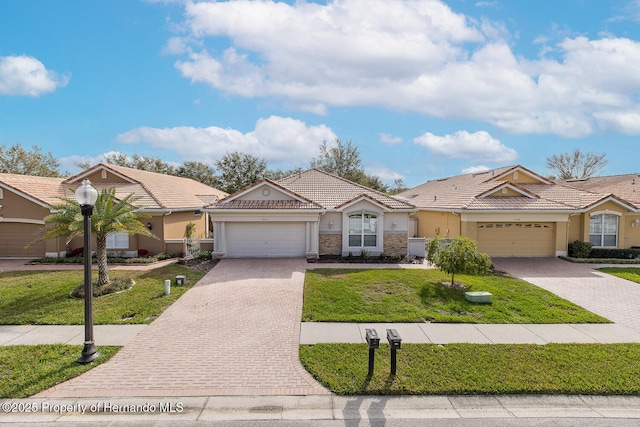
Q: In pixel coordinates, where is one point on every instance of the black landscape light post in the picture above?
(86, 196)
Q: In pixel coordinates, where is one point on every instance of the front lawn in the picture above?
(629, 273)
(42, 297)
(425, 369)
(28, 369)
(343, 295)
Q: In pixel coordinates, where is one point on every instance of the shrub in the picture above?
(76, 252)
(204, 255)
(115, 285)
(615, 253)
(142, 252)
(578, 249)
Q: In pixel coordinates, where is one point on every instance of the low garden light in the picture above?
(86, 196)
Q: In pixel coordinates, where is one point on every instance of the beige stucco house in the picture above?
(171, 203)
(513, 211)
(309, 214)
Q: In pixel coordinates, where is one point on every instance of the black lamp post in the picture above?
(86, 196)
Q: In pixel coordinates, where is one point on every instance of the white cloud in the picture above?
(478, 146)
(382, 172)
(279, 140)
(475, 169)
(386, 138)
(417, 56)
(25, 75)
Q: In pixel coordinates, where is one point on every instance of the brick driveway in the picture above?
(235, 333)
(611, 297)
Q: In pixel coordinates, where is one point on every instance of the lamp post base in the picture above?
(89, 353)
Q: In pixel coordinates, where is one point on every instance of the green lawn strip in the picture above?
(429, 369)
(342, 295)
(28, 369)
(629, 273)
(42, 297)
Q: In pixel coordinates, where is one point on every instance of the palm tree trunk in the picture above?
(101, 254)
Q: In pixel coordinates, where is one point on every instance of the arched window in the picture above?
(363, 230)
(603, 230)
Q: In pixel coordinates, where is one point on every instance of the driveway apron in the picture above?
(235, 333)
(608, 296)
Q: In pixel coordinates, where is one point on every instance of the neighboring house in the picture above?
(309, 214)
(512, 211)
(171, 203)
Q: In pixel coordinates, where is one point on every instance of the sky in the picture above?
(424, 89)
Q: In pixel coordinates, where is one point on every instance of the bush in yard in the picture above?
(458, 255)
(142, 253)
(578, 249)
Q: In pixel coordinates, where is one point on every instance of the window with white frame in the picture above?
(603, 230)
(363, 230)
(118, 241)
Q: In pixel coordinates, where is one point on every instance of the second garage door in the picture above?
(15, 237)
(517, 239)
(265, 240)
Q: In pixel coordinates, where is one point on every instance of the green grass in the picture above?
(424, 369)
(332, 295)
(629, 273)
(28, 369)
(42, 297)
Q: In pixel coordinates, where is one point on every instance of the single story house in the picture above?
(309, 214)
(171, 203)
(513, 211)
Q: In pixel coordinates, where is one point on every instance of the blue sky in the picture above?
(423, 88)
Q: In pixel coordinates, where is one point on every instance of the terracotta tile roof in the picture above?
(267, 204)
(158, 191)
(463, 192)
(626, 186)
(330, 191)
(45, 190)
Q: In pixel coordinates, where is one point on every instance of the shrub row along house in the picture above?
(512, 211)
(509, 211)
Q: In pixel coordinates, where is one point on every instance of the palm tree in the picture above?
(109, 216)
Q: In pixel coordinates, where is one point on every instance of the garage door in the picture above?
(266, 240)
(15, 236)
(517, 239)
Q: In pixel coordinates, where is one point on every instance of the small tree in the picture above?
(109, 216)
(459, 255)
(576, 165)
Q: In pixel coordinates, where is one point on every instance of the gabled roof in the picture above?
(155, 190)
(39, 189)
(311, 189)
(479, 192)
(331, 191)
(292, 200)
(626, 186)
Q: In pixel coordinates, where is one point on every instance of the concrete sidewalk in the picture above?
(317, 332)
(449, 333)
(116, 335)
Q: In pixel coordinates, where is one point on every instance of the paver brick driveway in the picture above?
(611, 297)
(235, 333)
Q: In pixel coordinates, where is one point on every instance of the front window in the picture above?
(363, 230)
(603, 230)
(118, 241)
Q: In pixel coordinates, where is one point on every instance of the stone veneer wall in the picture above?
(396, 244)
(330, 244)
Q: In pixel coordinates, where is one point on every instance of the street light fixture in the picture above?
(86, 196)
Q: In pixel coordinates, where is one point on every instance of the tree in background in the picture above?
(198, 171)
(109, 216)
(398, 186)
(16, 159)
(459, 255)
(237, 170)
(576, 165)
(343, 160)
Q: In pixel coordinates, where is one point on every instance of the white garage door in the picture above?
(266, 240)
(517, 239)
